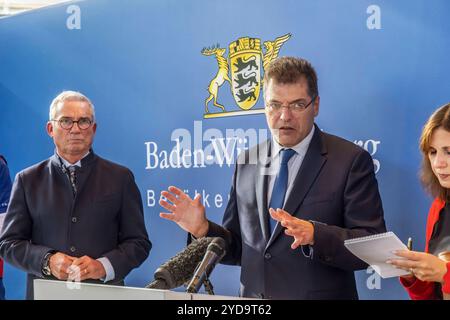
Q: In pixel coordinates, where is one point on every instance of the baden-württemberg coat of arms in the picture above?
(245, 62)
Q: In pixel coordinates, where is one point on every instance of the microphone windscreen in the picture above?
(217, 246)
(158, 284)
(180, 268)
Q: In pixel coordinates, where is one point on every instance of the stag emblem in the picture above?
(220, 78)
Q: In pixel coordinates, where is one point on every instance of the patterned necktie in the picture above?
(280, 185)
(73, 179)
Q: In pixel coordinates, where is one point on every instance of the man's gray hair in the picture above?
(69, 96)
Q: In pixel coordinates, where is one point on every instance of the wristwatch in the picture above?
(46, 271)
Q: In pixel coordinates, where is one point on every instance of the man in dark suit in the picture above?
(75, 215)
(5, 191)
(318, 188)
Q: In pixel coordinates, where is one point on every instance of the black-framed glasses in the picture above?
(294, 106)
(67, 123)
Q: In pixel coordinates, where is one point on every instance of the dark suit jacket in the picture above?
(336, 188)
(105, 219)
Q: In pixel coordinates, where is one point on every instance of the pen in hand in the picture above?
(409, 244)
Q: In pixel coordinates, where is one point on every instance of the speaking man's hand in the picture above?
(301, 230)
(188, 213)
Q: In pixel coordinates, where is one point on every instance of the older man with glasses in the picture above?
(74, 216)
(295, 198)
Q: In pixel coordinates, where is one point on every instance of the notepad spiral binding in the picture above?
(371, 237)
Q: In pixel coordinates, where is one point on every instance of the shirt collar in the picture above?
(300, 148)
(67, 164)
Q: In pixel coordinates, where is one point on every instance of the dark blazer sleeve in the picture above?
(5, 186)
(15, 245)
(363, 215)
(134, 245)
(231, 230)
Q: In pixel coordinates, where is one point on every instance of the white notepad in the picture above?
(2, 218)
(375, 250)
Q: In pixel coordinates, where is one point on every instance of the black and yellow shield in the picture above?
(245, 63)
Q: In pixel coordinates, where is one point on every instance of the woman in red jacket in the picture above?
(430, 275)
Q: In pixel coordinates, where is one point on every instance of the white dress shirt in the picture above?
(294, 163)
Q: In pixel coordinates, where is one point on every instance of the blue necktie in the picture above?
(280, 185)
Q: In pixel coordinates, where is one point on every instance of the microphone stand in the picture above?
(207, 283)
(208, 286)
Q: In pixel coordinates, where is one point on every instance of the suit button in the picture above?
(267, 256)
(328, 259)
(74, 219)
(73, 249)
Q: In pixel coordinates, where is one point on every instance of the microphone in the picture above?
(214, 253)
(179, 269)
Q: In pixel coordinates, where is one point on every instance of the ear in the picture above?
(50, 128)
(316, 106)
(94, 127)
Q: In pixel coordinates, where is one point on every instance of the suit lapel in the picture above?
(85, 171)
(313, 162)
(261, 188)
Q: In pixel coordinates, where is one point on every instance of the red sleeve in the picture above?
(446, 284)
(419, 290)
(425, 290)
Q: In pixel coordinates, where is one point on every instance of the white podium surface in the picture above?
(199, 296)
(63, 290)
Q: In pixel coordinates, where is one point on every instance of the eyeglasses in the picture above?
(297, 106)
(67, 123)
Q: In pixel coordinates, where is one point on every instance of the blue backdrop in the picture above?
(382, 66)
